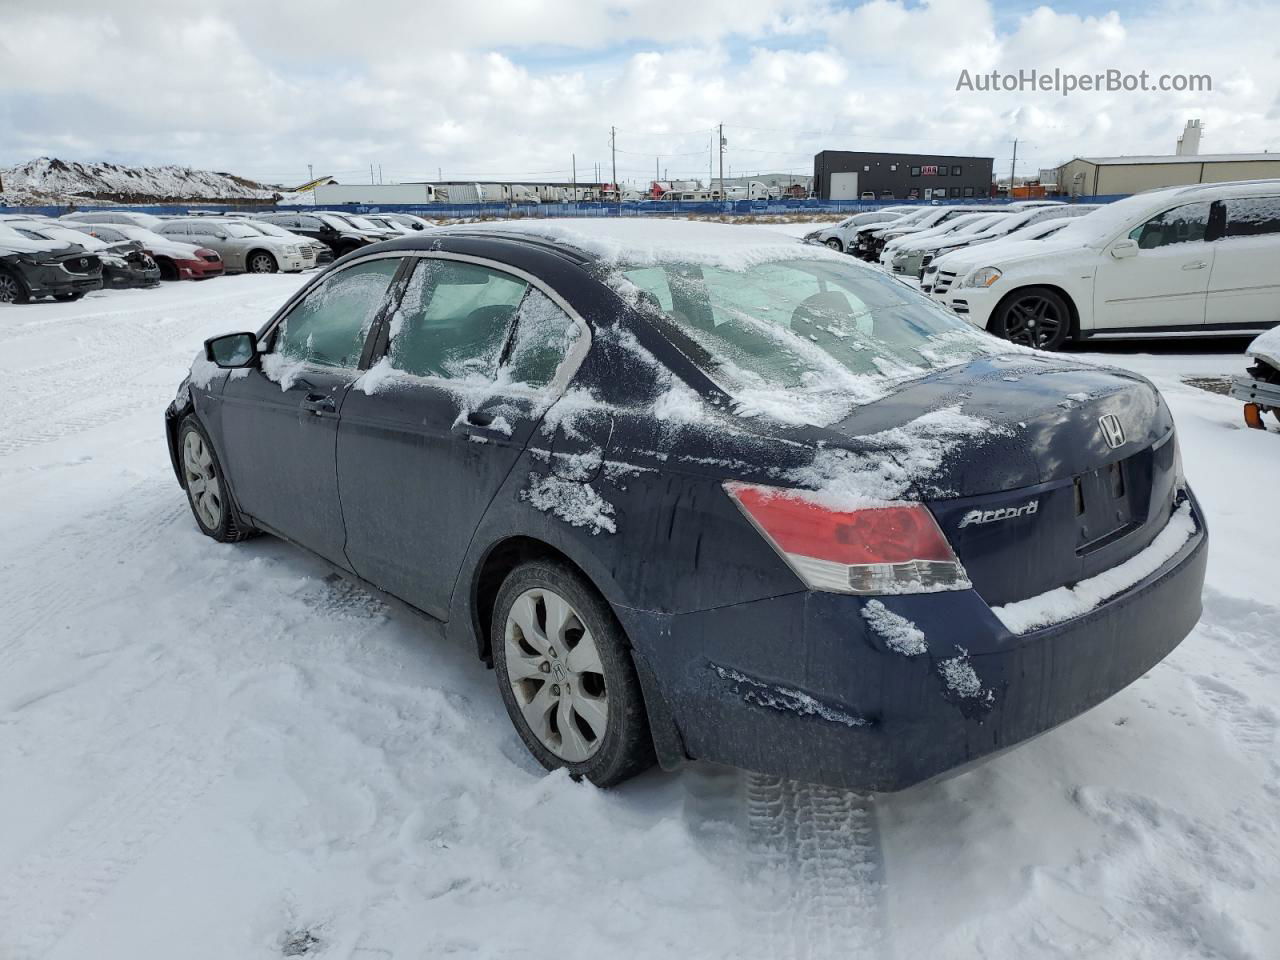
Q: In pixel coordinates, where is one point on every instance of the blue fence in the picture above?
(451, 211)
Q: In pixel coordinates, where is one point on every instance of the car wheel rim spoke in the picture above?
(555, 673)
(202, 480)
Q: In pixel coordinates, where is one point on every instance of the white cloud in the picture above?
(513, 87)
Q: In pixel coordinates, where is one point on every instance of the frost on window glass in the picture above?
(543, 335)
(807, 336)
(329, 326)
(453, 320)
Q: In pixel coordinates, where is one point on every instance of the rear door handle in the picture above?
(1198, 265)
(318, 404)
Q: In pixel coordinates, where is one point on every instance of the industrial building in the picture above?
(1103, 176)
(849, 175)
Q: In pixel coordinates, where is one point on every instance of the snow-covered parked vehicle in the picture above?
(841, 235)
(176, 261)
(124, 263)
(242, 248)
(694, 490)
(32, 268)
(1260, 390)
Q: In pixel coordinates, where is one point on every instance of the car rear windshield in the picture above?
(811, 327)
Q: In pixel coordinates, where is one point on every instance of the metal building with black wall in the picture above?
(848, 174)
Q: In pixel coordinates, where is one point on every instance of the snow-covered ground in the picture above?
(213, 751)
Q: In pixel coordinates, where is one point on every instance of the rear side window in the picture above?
(1185, 224)
(542, 338)
(454, 320)
(1252, 216)
(329, 326)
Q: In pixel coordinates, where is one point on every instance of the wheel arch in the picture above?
(1067, 297)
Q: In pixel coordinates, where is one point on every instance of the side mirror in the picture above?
(232, 350)
(1122, 249)
(219, 236)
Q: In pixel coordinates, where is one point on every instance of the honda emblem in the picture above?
(1112, 430)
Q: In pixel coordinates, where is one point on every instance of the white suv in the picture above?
(1177, 262)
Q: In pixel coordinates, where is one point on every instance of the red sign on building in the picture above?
(929, 171)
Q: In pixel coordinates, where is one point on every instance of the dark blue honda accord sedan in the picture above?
(700, 491)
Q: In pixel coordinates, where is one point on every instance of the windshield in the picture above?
(804, 340)
(336, 222)
(1099, 224)
(238, 230)
(360, 223)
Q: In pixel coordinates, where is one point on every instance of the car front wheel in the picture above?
(262, 262)
(565, 674)
(835, 244)
(1036, 317)
(207, 487)
(11, 289)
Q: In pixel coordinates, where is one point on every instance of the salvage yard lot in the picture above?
(222, 751)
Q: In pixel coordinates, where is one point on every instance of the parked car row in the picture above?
(66, 258)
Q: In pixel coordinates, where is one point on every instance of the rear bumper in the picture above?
(799, 686)
(115, 278)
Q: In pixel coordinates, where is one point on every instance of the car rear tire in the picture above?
(70, 297)
(206, 486)
(11, 289)
(1035, 317)
(566, 677)
(260, 261)
(835, 244)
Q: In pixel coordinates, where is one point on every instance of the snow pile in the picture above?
(282, 369)
(574, 502)
(900, 461)
(900, 634)
(378, 377)
(49, 179)
(1267, 347)
(1066, 603)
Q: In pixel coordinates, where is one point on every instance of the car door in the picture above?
(1244, 286)
(473, 356)
(1166, 283)
(212, 236)
(279, 421)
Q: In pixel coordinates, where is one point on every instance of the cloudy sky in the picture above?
(513, 88)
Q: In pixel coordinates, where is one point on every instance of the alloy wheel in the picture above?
(1033, 322)
(555, 672)
(9, 289)
(262, 263)
(202, 480)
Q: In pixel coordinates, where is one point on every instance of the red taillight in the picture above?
(895, 548)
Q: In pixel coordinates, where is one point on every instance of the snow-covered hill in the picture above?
(49, 180)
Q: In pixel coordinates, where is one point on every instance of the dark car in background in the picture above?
(33, 269)
(694, 490)
(334, 232)
(125, 265)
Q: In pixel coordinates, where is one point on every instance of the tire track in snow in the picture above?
(818, 850)
(54, 887)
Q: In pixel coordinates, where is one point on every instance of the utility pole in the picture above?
(613, 150)
(1013, 166)
(379, 173)
(439, 173)
(573, 160)
(311, 174)
(720, 134)
(656, 178)
(371, 180)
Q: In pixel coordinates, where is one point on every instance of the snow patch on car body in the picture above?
(281, 369)
(897, 460)
(202, 373)
(900, 634)
(576, 503)
(785, 699)
(962, 680)
(1067, 603)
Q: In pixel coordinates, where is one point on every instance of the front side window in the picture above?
(454, 320)
(1252, 216)
(1185, 224)
(328, 327)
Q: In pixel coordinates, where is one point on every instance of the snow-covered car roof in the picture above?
(636, 241)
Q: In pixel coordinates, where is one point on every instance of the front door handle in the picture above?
(318, 404)
(1198, 265)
